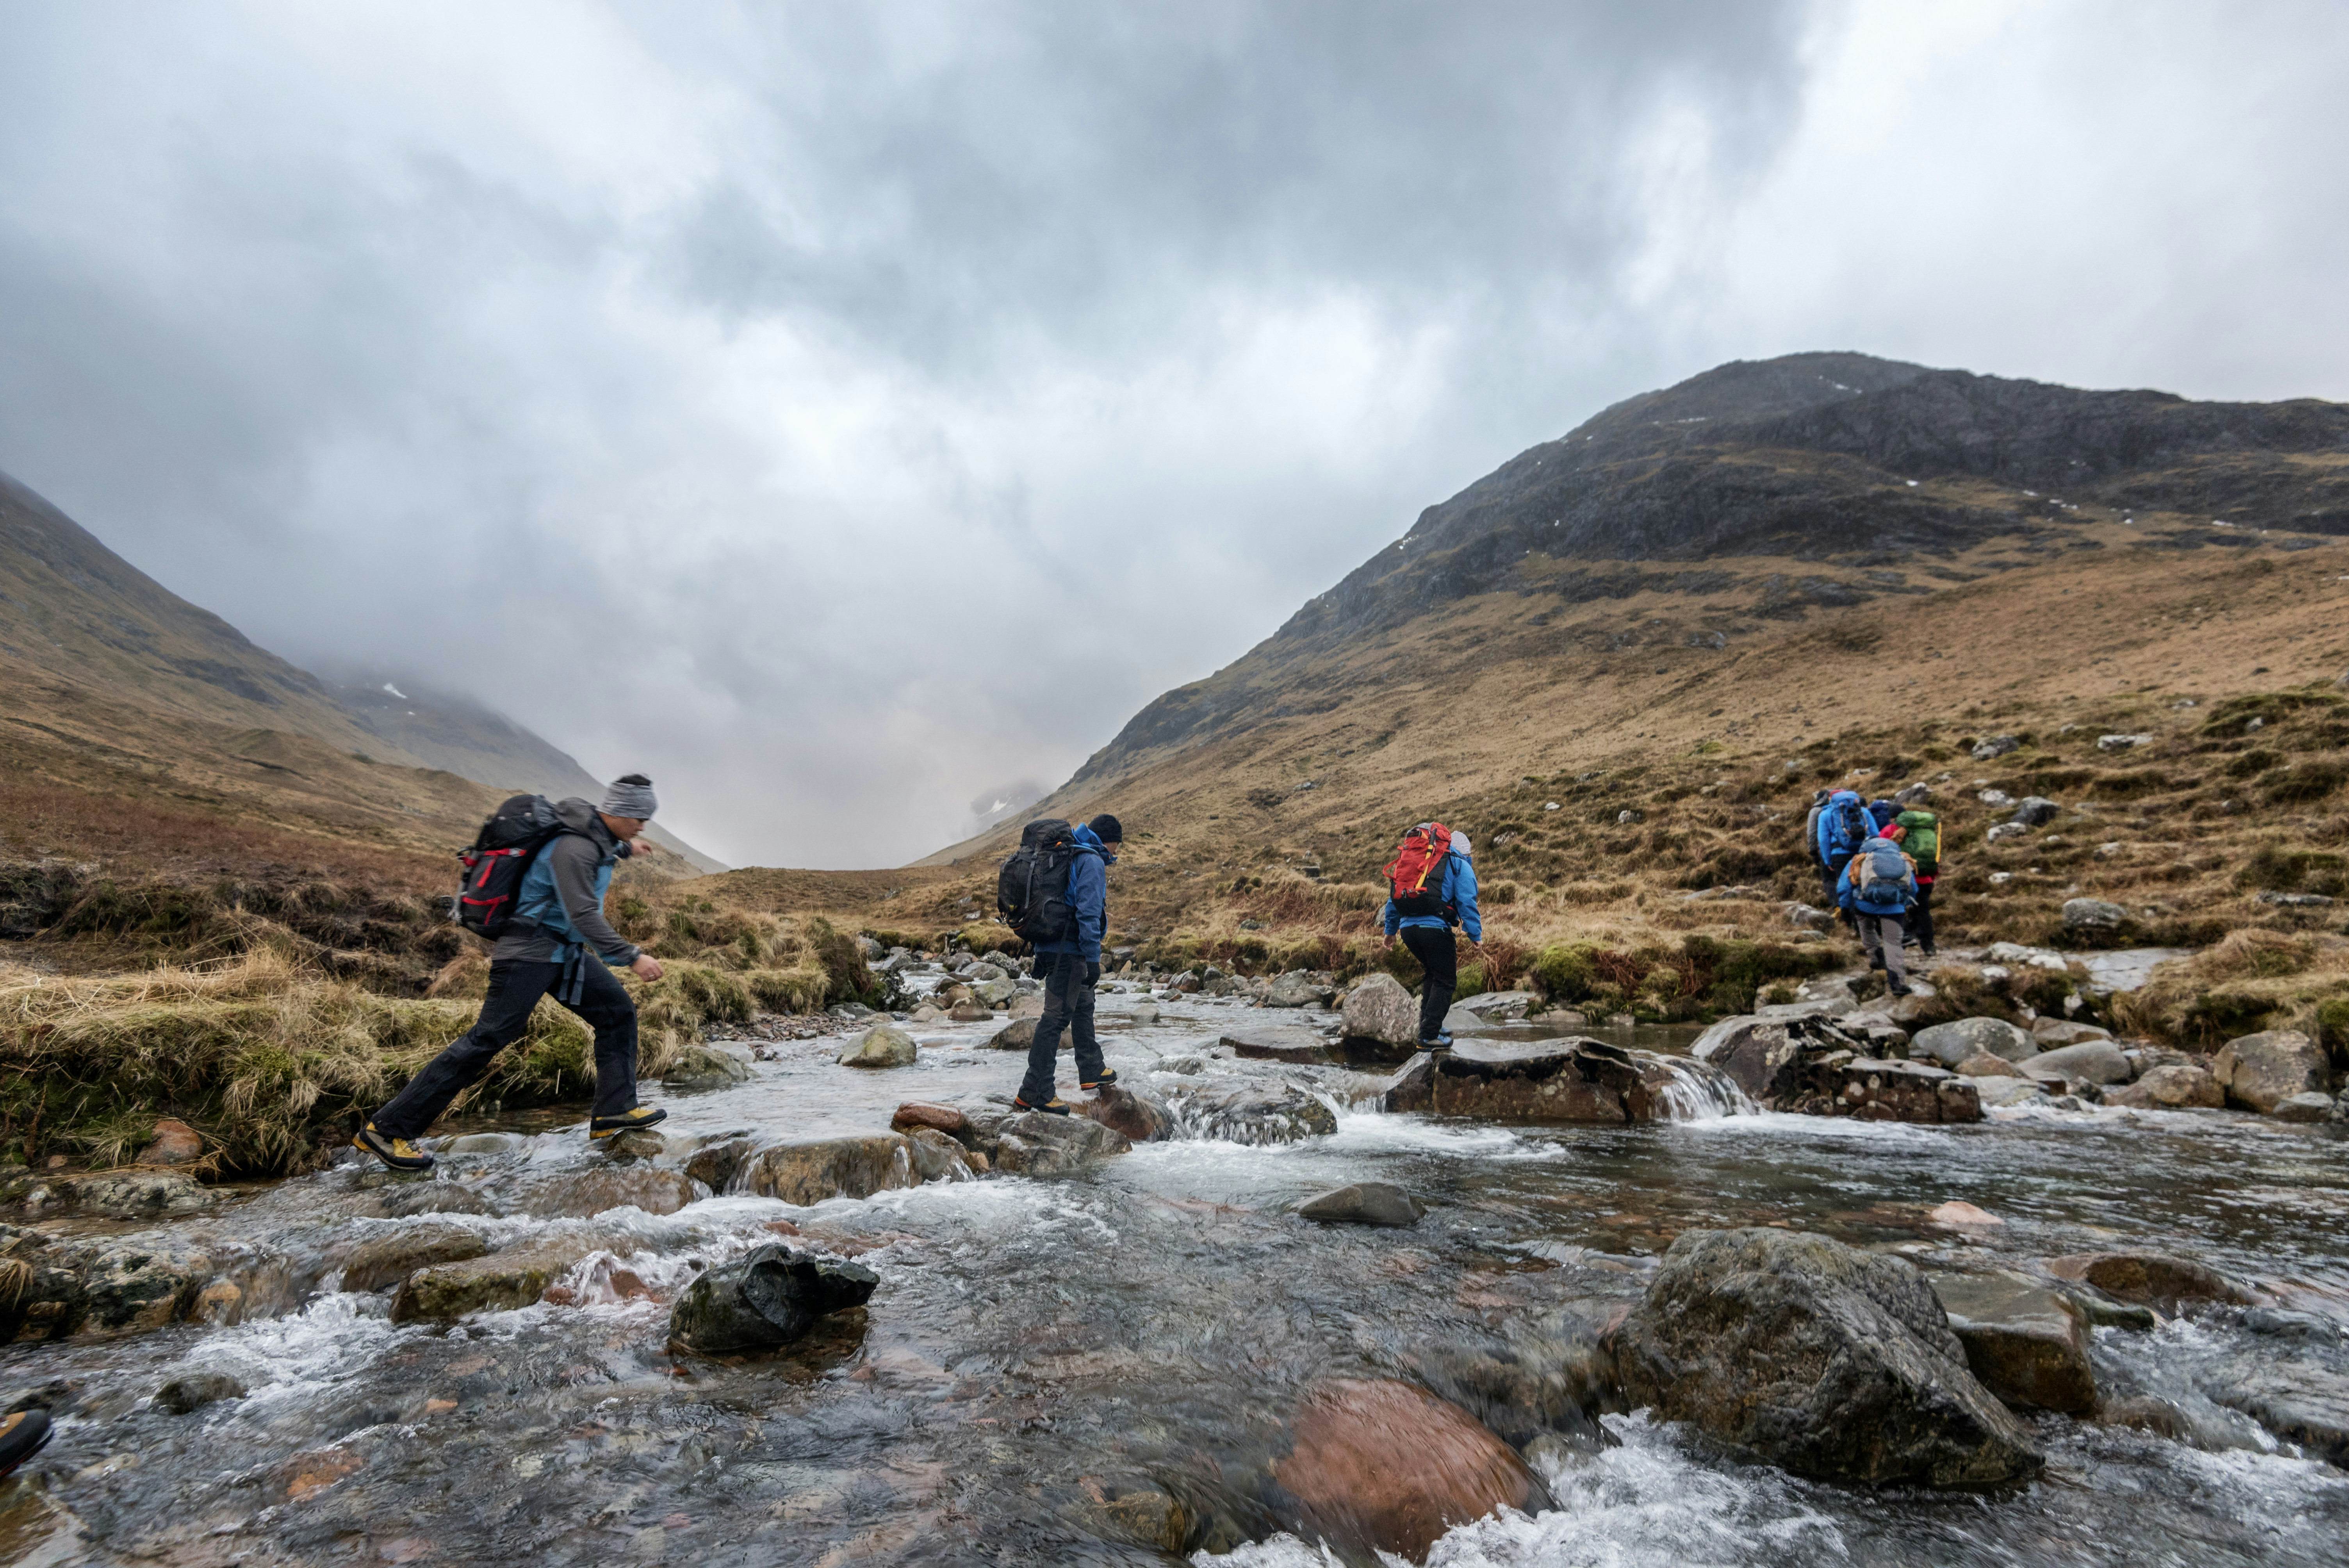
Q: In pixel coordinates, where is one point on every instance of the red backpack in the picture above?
(1419, 861)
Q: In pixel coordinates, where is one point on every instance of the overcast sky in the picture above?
(845, 412)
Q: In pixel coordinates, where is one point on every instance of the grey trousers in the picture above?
(1881, 934)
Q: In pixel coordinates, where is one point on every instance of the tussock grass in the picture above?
(2254, 979)
(262, 1055)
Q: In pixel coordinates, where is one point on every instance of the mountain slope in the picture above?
(1738, 566)
(137, 727)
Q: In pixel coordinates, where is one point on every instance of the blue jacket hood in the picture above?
(1084, 838)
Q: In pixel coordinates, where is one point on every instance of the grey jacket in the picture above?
(575, 858)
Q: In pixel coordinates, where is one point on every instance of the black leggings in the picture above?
(515, 987)
(1440, 959)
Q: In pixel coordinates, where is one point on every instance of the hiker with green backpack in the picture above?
(1919, 834)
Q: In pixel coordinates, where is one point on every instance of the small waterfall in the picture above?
(1698, 1092)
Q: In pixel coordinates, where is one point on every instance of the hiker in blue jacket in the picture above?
(1875, 887)
(1070, 968)
(1429, 937)
(1844, 826)
(1882, 813)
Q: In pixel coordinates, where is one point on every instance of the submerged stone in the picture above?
(1385, 1466)
(1362, 1203)
(184, 1395)
(1819, 1358)
(2152, 1279)
(499, 1281)
(387, 1258)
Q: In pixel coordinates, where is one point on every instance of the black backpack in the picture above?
(499, 858)
(1031, 891)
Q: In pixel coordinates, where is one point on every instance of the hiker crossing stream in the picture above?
(1153, 1356)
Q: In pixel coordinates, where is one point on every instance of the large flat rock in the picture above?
(809, 1170)
(1576, 1080)
(1302, 1046)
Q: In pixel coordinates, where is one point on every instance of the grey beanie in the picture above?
(630, 796)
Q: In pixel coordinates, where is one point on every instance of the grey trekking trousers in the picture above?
(1881, 934)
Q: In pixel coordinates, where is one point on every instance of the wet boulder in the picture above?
(1296, 1046)
(1035, 1144)
(2170, 1086)
(2260, 1071)
(2097, 1062)
(1137, 1117)
(2024, 1341)
(187, 1395)
(807, 1170)
(1016, 1036)
(1950, 1044)
(1252, 1110)
(773, 1296)
(697, 1066)
(884, 1045)
(2148, 1278)
(1820, 1359)
(1384, 1466)
(2301, 1401)
(1379, 1017)
(950, 1120)
(2305, 1106)
(498, 1281)
(389, 1256)
(1362, 1203)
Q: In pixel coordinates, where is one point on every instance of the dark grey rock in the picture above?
(2034, 811)
(1824, 1360)
(770, 1297)
(184, 1396)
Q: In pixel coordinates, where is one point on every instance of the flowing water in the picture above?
(1036, 1347)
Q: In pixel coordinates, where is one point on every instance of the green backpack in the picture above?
(1920, 837)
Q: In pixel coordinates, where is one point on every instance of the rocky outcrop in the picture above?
(1578, 1080)
(770, 1297)
(1816, 1066)
(808, 1171)
(1362, 1203)
(1822, 1359)
(1387, 1467)
(2024, 1342)
(1950, 1044)
(1381, 1018)
(2258, 1071)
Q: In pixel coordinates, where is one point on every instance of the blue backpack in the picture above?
(1848, 826)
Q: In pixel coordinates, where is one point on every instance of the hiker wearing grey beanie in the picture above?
(630, 796)
(557, 943)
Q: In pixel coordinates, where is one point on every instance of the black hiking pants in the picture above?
(1920, 916)
(1440, 958)
(515, 987)
(1067, 1005)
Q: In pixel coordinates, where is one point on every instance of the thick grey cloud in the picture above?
(831, 409)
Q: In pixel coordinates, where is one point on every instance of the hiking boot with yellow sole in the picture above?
(626, 1121)
(1049, 1108)
(22, 1433)
(395, 1152)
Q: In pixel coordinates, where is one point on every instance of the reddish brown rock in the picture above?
(176, 1143)
(1123, 1111)
(2153, 1279)
(948, 1120)
(1389, 1467)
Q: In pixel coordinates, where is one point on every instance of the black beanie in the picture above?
(1106, 829)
